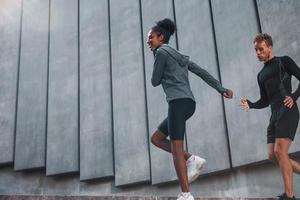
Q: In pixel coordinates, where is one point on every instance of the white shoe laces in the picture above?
(183, 196)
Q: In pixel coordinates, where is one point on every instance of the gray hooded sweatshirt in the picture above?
(171, 70)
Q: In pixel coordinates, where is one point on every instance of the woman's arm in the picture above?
(209, 79)
(158, 67)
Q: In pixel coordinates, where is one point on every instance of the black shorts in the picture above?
(283, 123)
(179, 111)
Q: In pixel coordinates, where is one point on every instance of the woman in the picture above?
(171, 70)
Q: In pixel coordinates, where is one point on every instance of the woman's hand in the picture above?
(244, 104)
(228, 94)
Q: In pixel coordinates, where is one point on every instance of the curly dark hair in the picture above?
(263, 37)
(165, 27)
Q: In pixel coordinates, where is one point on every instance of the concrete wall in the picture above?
(78, 109)
(157, 109)
(63, 127)
(9, 69)
(96, 145)
(202, 132)
(285, 32)
(31, 120)
(256, 181)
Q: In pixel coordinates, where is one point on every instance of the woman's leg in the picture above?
(160, 140)
(179, 111)
(180, 164)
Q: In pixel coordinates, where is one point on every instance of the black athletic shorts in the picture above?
(283, 123)
(179, 111)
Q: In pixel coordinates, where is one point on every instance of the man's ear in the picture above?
(270, 47)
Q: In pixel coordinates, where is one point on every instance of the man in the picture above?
(275, 89)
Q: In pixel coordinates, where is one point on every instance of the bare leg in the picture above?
(296, 166)
(281, 151)
(160, 140)
(180, 164)
(271, 153)
(272, 157)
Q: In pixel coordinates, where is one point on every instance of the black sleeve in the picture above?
(294, 70)
(263, 101)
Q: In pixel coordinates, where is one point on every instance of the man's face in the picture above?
(154, 40)
(263, 51)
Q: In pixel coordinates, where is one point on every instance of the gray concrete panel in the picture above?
(130, 127)
(10, 11)
(162, 168)
(281, 20)
(263, 181)
(96, 148)
(31, 118)
(195, 35)
(62, 135)
(235, 25)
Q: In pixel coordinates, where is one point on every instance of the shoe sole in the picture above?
(199, 171)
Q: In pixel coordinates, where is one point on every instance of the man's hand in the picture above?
(244, 104)
(288, 101)
(228, 94)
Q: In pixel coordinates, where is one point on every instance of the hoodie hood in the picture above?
(180, 58)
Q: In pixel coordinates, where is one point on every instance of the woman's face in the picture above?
(154, 40)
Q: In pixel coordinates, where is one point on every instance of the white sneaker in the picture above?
(194, 166)
(185, 196)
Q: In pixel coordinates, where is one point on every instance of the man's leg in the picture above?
(272, 157)
(271, 153)
(180, 164)
(160, 140)
(296, 166)
(281, 152)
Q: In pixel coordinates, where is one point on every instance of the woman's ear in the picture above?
(161, 38)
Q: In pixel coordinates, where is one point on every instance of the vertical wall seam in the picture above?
(145, 86)
(78, 87)
(111, 87)
(17, 85)
(47, 86)
(219, 75)
(257, 16)
(175, 21)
